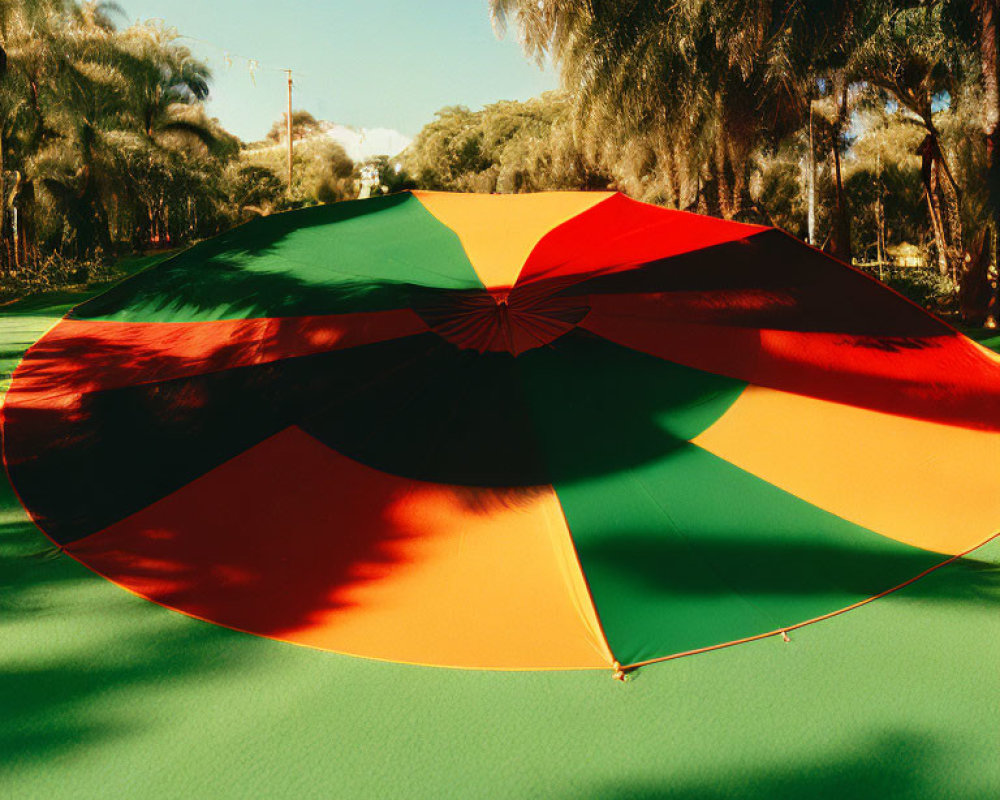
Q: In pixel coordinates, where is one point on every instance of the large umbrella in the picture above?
(564, 430)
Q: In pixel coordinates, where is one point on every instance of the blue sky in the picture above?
(370, 63)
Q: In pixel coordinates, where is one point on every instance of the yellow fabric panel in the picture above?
(297, 542)
(499, 231)
(494, 588)
(930, 485)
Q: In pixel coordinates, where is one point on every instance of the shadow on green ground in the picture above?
(57, 302)
(105, 695)
(896, 764)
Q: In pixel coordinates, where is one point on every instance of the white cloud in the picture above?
(362, 143)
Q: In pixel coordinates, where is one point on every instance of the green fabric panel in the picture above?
(618, 405)
(681, 549)
(690, 551)
(104, 695)
(364, 255)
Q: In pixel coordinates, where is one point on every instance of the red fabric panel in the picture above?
(295, 541)
(945, 378)
(263, 543)
(767, 281)
(620, 233)
(80, 356)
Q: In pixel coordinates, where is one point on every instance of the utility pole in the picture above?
(288, 120)
(812, 180)
(880, 215)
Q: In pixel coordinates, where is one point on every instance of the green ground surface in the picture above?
(104, 695)
(990, 337)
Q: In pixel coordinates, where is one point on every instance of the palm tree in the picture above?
(976, 24)
(705, 81)
(909, 56)
(984, 32)
(165, 86)
(54, 67)
(105, 127)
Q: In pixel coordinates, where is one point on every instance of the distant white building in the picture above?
(369, 180)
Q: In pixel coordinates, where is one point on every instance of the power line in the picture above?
(231, 54)
(253, 64)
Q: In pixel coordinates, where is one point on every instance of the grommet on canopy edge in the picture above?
(619, 673)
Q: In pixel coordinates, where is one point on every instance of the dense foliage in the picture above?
(868, 127)
(105, 146)
(506, 147)
(861, 126)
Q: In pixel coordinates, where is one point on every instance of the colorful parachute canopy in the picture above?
(520, 432)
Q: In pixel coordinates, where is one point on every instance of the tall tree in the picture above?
(704, 81)
(977, 24)
(908, 55)
(103, 134)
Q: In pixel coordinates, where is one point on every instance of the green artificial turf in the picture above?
(105, 695)
(988, 337)
(56, 302)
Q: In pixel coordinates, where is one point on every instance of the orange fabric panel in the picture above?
(80, 356)
(294, 541)
(919, 482)
(499, 231)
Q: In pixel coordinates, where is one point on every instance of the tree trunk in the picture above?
(989, 18)
(989, 45)
(951, 220)
(708, 193)
(16, 237)
(840, 236)
(3, 187)
(928, 178)
(974, 294)
(723, 185)
(687, 179)
(742, 202)
(140, 224)
(943, 205)
(671, 184)
(26, 220)
(811, 181)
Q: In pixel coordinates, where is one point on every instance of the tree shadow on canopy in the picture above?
(415, 406)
